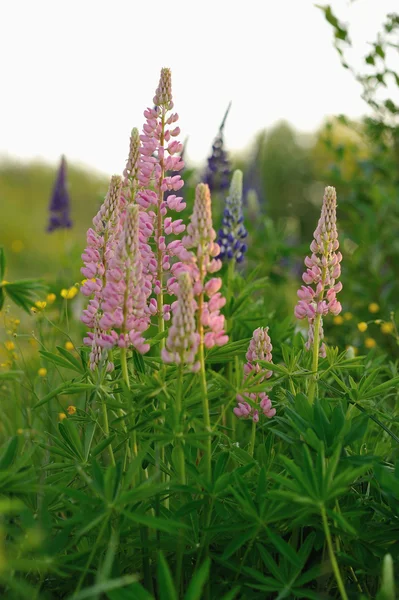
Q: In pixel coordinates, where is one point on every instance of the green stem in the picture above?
(331, 553)
(315, 360)
(180, 467)
(125, 375)
(179, 426)
(106, 430)
(202, 374)
(91, 555)
(125, 371)
(252, 440)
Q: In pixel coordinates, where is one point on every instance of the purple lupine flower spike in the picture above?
(218, 170)
(59, 207)
(232, 234)
(260, 348)
(323, 269)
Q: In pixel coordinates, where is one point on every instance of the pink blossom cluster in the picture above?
(319, 295)
(260, 348)
(124, 300)
(101, 243)
(183, 339)
(160, 153)
(197, 255)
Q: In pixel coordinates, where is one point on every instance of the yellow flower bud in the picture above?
(370, 342)
(42, 372)
(51, 298)
(69, 346)
(374, 307)
(9, 345)
(338, 320)
(387, 328)
(71, 410)
(362, 326)
(62, 416)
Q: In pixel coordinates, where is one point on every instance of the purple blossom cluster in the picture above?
(218, 171)
(60, 204)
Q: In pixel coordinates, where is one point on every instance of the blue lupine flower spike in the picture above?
(232, 234)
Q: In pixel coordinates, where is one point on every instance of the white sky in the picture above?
(77, 75)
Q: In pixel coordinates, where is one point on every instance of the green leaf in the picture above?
(9, 453)
(58, 360)
(2, 264)
(284, 549)
(166, 525)
(194, 590)
(166, 589)
(102, 445)
(134, 591)
(105, 586)
(238, 541)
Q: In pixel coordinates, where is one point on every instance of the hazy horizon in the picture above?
(81, 79)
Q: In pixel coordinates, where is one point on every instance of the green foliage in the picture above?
(105, 490)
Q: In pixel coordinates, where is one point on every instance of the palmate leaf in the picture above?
(25, 292)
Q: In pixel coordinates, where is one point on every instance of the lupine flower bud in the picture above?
(182, 342)
(233, 232)
(109, 210)
(260, 348)
(163, 93)
(323, 269)
(60, 202)
(218, 171)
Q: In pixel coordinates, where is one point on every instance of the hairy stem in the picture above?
(331, 553)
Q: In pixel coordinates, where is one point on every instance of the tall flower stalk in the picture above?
(319, 296)
(60, 203)
(251, 405)
(160, 154)
(201, 261)
(218, 170)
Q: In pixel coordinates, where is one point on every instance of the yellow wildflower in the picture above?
(387, 328)
(348, 316)
(40, 305)
(20, 431)
(17, 246)
(338, 320)
(17, 322)
(71, 410)
(9, 345)
(370, 342)
(51, 298)
(62, 416)
(374, 307)
(70, 293)
(362, 326)
(69, 346)
(42, 372)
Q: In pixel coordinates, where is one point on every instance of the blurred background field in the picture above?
(285, 172)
